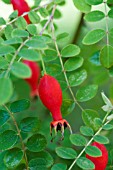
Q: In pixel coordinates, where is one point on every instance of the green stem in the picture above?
(49, 20)
(43, 65)
(106, 116)
(19, 134)
(60, 58)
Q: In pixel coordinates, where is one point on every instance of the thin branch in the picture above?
(107, 27)
(19, 134)
(14, 57)
(88, 144)
(49, 20)
(26, 13)
(60, 57)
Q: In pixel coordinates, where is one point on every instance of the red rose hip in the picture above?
(34, 79)
(50, 94)
(99, 162)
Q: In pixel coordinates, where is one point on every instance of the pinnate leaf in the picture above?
(93, 36)
(66, 153)
(82, 6)
(86, 93)
(78, 140)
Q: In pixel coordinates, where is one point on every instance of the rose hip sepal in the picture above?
(34, 79)
(99, 162)
(21, 6)
(50, 94)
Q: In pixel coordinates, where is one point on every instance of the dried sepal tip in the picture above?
(59, 125)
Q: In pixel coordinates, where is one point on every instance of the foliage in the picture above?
(82, 70)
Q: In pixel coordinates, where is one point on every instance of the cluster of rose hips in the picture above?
(50, 93)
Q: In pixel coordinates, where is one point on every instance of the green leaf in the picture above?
(6, 90)
(36, 143)
(36, 44)
(34, 17)
(101, 139)
(8, 31)
(43, 39)
(6, 1)
(94, 16)
(21, 23)
(2, 21)
(9, 57)
(78, 140)
(6, 50)
(50, 55)
(7, 139)
(53, 69)
(14, 14)
(88, 117)
(2, 165)
(62, 37)
(108, 127)
(82, 6)
(29, 54)
(93, 151)
(43, 12)
(5, 127)
(15, 40)
(77, 78)
(93, 36)
(67, 107)
(98, 122)
(86, 93)
(59, 2)
(70, 50)
(59, 166)
(85, 163)
(20, 105)
(13, 157)
(66, 153)
(110, 13)
(37, 163)
(43, 155)
(94, 2)
(57, 14)
(32, 29)
(20, 70)
(19, 33)
(30, 124)
(86, 131)
(106, 56)
(3, 63)
(110, 3)
(4, 117)
(73, 63)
